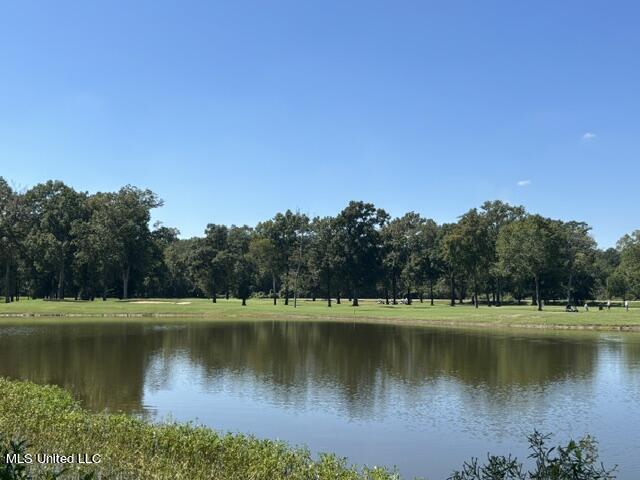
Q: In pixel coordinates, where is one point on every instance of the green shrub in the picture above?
(576, 461)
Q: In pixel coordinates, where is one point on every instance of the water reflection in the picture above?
(407, 378)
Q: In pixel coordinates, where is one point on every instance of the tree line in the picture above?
(56, 242)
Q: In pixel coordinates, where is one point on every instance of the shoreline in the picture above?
(54, 422)
(364, 319)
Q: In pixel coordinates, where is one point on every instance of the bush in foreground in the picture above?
(576, 461)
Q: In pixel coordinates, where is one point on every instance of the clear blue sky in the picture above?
(232, 111)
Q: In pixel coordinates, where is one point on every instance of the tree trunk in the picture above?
(286, 289)
(453, 290)
(244, 302)
(61, 283)
(537, 279)
(355, 299)
(273, 287)
(386, 294)
(475, 290)
(295, 284)
(328, 290)
(213, 290)
(431, 292)
(7, 282)
(125, 282)
(569, 288)
(408, 296)
(394, 289)
(421, 296)
(338, 298)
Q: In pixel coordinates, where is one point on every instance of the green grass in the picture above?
(369, 310)
(131, 448)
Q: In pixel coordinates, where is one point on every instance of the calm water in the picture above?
(424, 399)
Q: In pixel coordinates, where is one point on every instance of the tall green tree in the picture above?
(213, 267)
(469, 242)
(618, 284)
(578, 250)
(413, 250)
(629, 268)
(325, 259)
(243, 266)
(54, 211)
(124, 219)
(396, 237)
(302, 241)
(11, 233)
(605, 263)
(497, 214)
(265, 256)
(132, 211)
(156, 277)
(283, 232)
(530, 248)
(424, 259)
(359, 227)
(98, 246)
(186, 274)
(450, 256)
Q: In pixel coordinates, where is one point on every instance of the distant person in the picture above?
(586, 307)
(626, 305)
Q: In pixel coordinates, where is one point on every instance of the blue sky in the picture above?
(232, 111)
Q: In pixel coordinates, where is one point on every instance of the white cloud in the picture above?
(523, 183)
(587, 137)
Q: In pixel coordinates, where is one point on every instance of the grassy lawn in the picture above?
(525, 315)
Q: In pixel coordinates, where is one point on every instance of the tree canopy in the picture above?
(56, 242)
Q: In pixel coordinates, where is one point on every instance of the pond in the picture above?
(422, 398)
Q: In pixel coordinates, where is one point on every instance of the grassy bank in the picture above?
(134, 449)
(441, 313)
